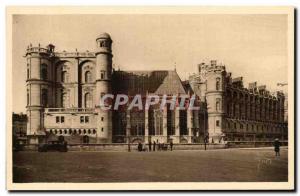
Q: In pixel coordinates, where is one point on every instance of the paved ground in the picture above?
(227, 165)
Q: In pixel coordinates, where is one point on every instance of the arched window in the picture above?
(64, 76)
(45, 97)
(88, 100)
(64, 100)
(218, 104)
(27, 97)
(217, 84)
(44, 72)
(88, 77)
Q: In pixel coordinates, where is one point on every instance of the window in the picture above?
(102, 118)
(88, 77)
(64, 76)
(81, 119)
(217, 123)
(94, 131)
(235, 125)
(60, 119)
(64, 100)
(218, 103)
(241, 126)
(45, 97)
(88, 100)
(44, 72)
(86, 119)
(27, 73)
(27, 97)
(102, 129)
(102, 74)
(217, 84)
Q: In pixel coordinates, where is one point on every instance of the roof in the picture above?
(143, 82)
(103, 35)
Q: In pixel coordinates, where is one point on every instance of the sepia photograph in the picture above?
(156, 98)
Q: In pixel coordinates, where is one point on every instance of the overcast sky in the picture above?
(252, 46)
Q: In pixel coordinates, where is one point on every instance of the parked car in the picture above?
(53, 146)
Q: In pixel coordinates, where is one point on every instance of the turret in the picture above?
(38, 88)
(103, 84)
(215, 101)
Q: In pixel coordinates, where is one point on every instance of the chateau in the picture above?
(64, 91)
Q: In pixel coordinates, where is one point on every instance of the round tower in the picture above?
(215, 101)
(103, 85)
(38, 89)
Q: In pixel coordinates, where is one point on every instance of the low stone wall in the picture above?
(133, 147)
(257, 144)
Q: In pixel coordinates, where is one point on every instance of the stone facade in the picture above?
(236, 113)
(64, 91)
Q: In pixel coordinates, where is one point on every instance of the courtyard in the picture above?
(225, 165)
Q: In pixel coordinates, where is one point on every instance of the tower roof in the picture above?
(103, 35)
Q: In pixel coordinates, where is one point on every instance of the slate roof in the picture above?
(141, 82)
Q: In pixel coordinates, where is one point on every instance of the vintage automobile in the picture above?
(60, 146)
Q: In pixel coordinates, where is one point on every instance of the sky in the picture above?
(252, 46)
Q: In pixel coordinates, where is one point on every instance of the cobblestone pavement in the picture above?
(227, 165)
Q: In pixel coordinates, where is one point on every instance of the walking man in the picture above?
(171, 145)
(277, 147)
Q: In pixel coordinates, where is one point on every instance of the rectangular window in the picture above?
(102, 129)
(241, 126)
(81, 119)
(57, 119)
(102, 118)
(86, 119)
(235, 125)
(62, 119)
(217, 123)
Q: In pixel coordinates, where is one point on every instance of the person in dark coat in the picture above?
(171, 145)
(154, 145)
(150, 145)
(140, 147)
(277, 147)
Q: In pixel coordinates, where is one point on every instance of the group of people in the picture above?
(155, 146)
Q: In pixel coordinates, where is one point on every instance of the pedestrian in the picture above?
(150, 145)
(140, 147)
(277, 147)
(171, 145)
(154, 145)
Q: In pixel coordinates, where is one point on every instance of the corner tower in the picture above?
(215, 101)
(103, 85)
(39, 87)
